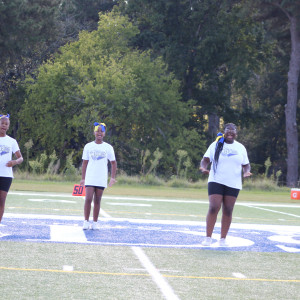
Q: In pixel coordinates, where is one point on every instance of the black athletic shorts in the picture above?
(5, 183)
(221, 189)
(96, 187)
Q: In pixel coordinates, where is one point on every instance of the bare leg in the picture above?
(97, 202)
(89, 192)
(3, 195)
(227, 209)
(215, 202)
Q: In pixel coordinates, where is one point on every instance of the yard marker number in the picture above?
(78, 190)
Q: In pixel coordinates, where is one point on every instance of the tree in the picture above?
(100, 78)
(286, 15)
(27, 27)
(210, 45)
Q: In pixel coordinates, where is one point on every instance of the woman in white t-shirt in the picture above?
(95, 157)
(228, 158)
(8, 147)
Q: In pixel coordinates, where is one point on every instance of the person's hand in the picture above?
(82, 182)
(10, 163)
(247, 174)
(112, 181)
(203, 170)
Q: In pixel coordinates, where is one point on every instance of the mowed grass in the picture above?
(33, 270)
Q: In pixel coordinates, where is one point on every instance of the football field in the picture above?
(147, 248)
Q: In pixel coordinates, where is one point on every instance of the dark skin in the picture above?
(4, 126)
(216, 200)
(92, 192)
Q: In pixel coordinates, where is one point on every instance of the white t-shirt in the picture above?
(98, 156)
(229, 168)
(8, 146)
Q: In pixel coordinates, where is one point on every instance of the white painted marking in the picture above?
(156, 276)
(231, 240)
(128, 204)
(50, 200)
(289, 249)
(104, 214)
(284, 239)
(275, 211)
(239, 275)
(202, 201)
(275, 228)
(68, 268)
(60, 233)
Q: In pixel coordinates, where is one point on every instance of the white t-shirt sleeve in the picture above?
(15, 146)
(111, 154)
(85, 154)
(210, 152)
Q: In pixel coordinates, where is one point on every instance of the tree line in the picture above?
(163, 75)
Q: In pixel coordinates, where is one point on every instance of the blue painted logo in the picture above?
(150, 233)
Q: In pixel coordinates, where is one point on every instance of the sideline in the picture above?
(148, 199)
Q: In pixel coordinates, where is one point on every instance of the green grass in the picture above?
(32, 270)
(281, 195)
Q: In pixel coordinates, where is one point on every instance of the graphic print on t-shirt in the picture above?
(229, 152)
(4, 150)
(97, 155)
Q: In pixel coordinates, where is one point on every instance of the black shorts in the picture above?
(96, 187)
(5, 183)
(221, 189)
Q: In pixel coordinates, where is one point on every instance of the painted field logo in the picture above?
(149, 233)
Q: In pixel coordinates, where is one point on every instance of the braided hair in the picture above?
(220, 143)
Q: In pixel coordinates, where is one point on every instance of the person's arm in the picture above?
(113, 172)
(83, 171)
(17, 161)
(246, 170)
(204, 164)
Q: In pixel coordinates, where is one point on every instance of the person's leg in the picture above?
(3, 195)
(97, 202)
(215, 202)
(227, 209)
(89, 192)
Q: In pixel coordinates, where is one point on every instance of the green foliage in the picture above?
(54, 164)
(154, 162)
(268, 164)
(38, 166)
(100, 78)
(70, 172)
(28, 145)
(181, 155)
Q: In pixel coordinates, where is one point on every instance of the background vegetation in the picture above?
(163, 75)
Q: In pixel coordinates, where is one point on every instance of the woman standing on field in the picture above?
(8, 147)
(228, 158)
(95, 157)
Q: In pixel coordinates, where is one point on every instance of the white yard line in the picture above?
(274, 211)
(148, 199)
(156, 276)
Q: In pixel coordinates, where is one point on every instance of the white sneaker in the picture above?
(207, 241)
(86, 225)
(95, 226)
(223, 243)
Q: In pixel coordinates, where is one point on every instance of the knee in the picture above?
(88, 201)
(227, 211)
(213, 209)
